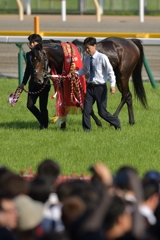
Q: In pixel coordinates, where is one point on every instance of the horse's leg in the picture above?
(97, 121)
(121, 88)
(122, 80)
(128, 100)
(130, 108)
(116, 113)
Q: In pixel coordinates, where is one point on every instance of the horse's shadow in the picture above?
(18, 125)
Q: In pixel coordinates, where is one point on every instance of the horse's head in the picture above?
(40, 64)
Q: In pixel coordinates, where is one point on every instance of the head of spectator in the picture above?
(152, 175)
(49, 169)
(118, 220)
(40, 189)
(13, 184)
(128, 186)
(65, 189)
(73, 207)
(8, 212)
(3, 170)
(151, 200)
(30, 214)
(79, 188)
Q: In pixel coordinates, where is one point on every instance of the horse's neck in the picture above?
(80, 48)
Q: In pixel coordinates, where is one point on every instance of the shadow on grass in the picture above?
(26, 125)
(19, 125)
(72, 126)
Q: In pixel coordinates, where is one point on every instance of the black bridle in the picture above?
(44, 62)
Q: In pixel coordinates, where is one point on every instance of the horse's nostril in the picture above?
(39, 81)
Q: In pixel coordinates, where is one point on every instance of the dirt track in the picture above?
(9, 52)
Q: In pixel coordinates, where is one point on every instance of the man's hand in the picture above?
(72, 74)
(69, 75)
(21, 86)
(104, 173)
(112, 90)
(87, 76)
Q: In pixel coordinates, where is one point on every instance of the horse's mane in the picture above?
(50, 41)
(54, 43)
(79, 44)
(76, 41)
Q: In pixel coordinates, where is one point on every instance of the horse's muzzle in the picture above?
(40, 81)
(39, 78)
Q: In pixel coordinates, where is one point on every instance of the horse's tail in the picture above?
(137, 76)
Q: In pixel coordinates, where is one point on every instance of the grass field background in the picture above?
(23, 145)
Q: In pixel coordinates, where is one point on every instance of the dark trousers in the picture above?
(98, 94)
(42, 113)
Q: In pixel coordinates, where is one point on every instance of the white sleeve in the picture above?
(110, 72)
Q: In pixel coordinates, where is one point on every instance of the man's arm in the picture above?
(84, 70)
(27, 72)
(111, 74)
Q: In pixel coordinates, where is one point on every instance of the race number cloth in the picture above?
(64, 89)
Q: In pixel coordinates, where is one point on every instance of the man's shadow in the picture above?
(19, 125)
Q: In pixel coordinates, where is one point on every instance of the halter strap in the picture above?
(45, 61)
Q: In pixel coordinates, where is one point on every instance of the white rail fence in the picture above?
(16, 66)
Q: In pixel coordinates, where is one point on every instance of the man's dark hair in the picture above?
(116, 209)
(3, 170)
(40, 189)
(35, 38)
(49, 169)
(155, 175)
(90, 41)
(150, 187)
(13, 184)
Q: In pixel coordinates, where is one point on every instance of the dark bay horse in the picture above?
(125, 55)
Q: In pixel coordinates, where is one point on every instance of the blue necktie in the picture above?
(91, 69)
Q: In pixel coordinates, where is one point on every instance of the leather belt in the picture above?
(94, 84)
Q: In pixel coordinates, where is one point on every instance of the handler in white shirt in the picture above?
(100, 70)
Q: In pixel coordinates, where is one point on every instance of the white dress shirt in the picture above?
(102, 67)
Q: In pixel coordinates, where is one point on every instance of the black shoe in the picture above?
(86, 130)
(41, 126)
(117, 128)
(63, 126)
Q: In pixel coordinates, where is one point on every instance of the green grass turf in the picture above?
(22, 145)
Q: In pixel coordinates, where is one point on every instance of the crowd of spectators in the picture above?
(106, 207)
